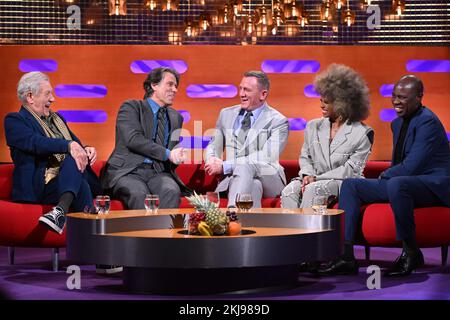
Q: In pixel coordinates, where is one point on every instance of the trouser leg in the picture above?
(405, 194)
(290, 196)
(354, 193)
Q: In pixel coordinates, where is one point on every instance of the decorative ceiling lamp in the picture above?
(263, 20)
(277, 17)
(225, 14)
(293, 10)
(264, 15)
(348, 17)
(236, 6)
(249, 26)
(303, 19)
(327, 10)
(339, 4)
(398, 7)
(170, 5)
(151, 4)
(189, 28)
(117, 7)
(204, 21)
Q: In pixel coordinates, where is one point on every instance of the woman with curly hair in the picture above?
(335, 146)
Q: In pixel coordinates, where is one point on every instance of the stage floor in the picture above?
(31, 278)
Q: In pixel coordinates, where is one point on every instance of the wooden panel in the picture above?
(110, 66)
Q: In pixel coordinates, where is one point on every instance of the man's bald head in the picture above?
(407, 95)
(412, 81)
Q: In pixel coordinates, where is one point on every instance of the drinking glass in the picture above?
(102, 204)
(244, 201)
(319, 204)
(151, 203)
(213, 197)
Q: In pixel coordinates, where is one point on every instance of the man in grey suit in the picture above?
(253, 135)
(145, 154)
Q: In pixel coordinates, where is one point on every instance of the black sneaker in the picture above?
(55, 220)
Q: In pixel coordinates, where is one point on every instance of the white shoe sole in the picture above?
(50, 224)
(109, 270)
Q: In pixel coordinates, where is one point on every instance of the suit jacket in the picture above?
(426, 153)
(345, 157)
(265, 142)
(134, 141)
(30, 150)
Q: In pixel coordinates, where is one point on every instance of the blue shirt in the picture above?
(155, 108)
(228, 165)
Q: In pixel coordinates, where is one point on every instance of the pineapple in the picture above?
(216, 219)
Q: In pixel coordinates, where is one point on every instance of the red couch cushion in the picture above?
(432, 226)
(19, 226)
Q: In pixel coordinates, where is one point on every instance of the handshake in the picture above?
(178, 155)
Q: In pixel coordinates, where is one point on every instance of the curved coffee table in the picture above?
(158, 258)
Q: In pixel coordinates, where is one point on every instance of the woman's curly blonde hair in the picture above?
(346, 90)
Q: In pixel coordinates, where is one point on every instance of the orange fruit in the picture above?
(234, 228)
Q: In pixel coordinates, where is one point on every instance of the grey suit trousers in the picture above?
(133, 187)
(247, 178)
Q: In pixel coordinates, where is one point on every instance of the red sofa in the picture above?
(19, 225)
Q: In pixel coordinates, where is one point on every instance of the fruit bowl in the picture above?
(209, 220)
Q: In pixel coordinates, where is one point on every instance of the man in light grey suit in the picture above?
(146, 153)
(253, 135)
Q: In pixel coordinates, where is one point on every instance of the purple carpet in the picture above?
(31, 278)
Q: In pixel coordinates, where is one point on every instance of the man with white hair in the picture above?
(51, 166)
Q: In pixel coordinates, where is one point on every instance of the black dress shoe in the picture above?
(405, 264)
(339, 267)
(311, 267)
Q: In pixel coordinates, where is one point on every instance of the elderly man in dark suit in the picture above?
(419, 177)
(146, 153)
(50, 164)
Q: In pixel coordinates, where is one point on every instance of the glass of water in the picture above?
(102, 204)
(151, 203)
(319, 204)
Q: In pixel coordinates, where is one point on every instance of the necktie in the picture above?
(159, 165)
(245, 126)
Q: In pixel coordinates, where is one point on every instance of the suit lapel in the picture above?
(259, 124)
(147, 121)
(30, 117)
(232, 120)
(324, 139)
(341, 137)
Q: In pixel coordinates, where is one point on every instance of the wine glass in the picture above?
(244, 201)
(102, 204)
(151, 203)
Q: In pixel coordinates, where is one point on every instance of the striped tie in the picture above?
(159, 165)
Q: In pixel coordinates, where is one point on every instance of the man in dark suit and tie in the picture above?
(146, 154)
(51, 166)
(419, 177)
